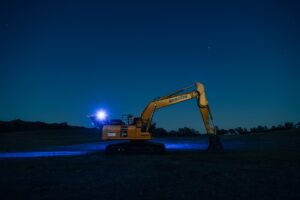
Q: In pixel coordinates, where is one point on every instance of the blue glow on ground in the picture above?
(184, 144)
(36, 154)
(71, 150)
(171, 145)
(81, 149)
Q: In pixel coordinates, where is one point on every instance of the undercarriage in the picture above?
(136, 147)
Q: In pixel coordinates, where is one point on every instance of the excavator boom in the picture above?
(177, 97)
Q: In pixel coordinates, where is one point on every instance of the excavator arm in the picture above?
(177, 97)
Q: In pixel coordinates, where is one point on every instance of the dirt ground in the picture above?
(262, 172)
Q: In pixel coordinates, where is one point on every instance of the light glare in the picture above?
(101, 115)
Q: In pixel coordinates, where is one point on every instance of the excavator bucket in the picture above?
(215, 144)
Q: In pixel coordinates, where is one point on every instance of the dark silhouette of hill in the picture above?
(20, 125)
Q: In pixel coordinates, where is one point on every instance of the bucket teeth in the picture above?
(215, 143)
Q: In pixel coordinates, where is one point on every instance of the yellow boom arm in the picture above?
(178, 97)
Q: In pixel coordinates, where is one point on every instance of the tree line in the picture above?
(20, 125)
(185, 131)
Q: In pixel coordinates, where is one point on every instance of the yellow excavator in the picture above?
(136, 130)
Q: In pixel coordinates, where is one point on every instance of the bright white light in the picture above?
(101, 115)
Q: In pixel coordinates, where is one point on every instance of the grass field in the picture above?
(261, 172)
(31, 140)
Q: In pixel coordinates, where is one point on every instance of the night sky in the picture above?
(62, 60)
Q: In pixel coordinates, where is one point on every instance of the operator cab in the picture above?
(127, 120)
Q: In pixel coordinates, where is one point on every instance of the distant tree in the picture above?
(260, 129)
(185, 131)
(245, 131)
(173, 133)
(152, 127)
(195, 132)
(288, 125)
(273, 128)
(232, 131)
(253, 130)
(160, 132)
(222, 132)
(280, 127)
(239, 130)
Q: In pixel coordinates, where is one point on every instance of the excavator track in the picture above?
(144, 147)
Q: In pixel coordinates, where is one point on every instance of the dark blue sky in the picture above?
(62, 61)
